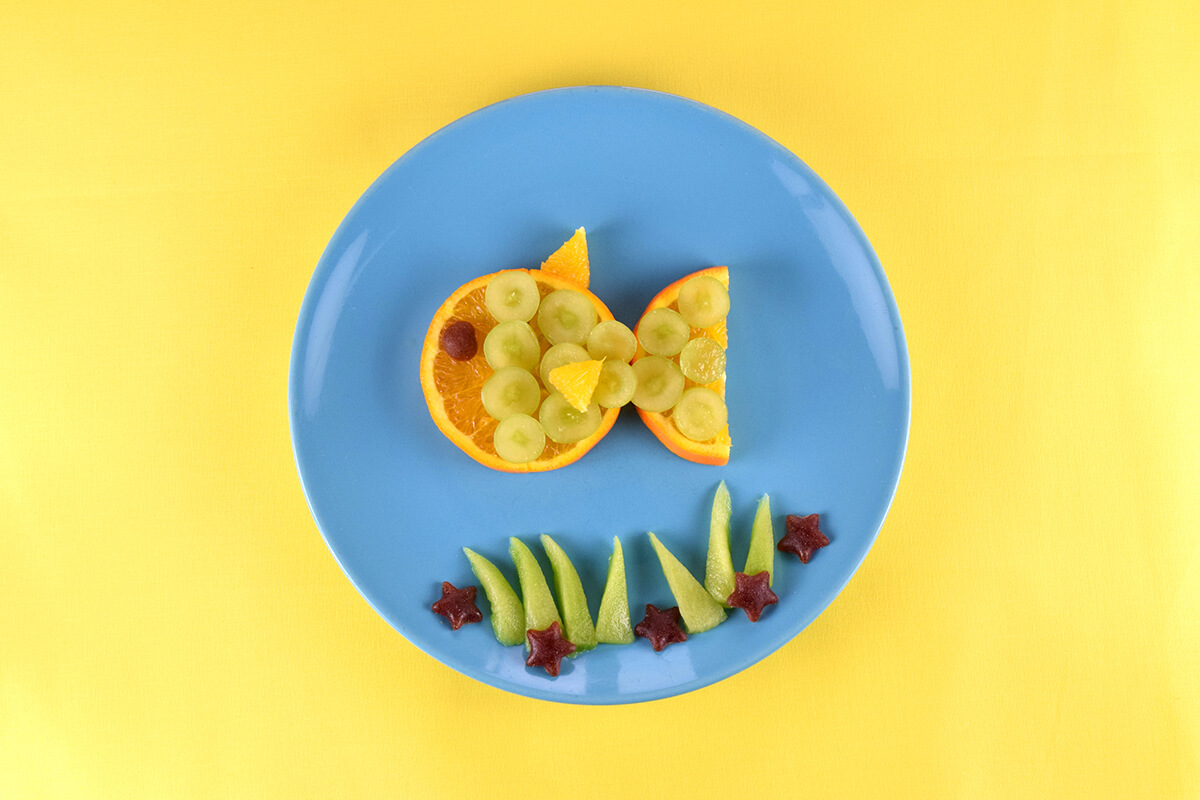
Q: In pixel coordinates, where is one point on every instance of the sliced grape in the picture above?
(659, 383)
(564, 424)
(511, 344)
(566, 316)
(700, 414)
(512, 295)
(612, 340)
(510, 390)
(557, 356)
(617, 384)
(519, 439)
(663, 332)
(703, 301)
(702, 360)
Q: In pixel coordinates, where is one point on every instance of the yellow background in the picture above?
(1028, 623)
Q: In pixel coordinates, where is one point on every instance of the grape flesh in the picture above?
(659, 384)
(512, 295)
(703, 301)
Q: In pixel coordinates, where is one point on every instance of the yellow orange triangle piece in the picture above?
(570, 261)
(577, 382)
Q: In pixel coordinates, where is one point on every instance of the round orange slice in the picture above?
(715, 450)
(452, 387)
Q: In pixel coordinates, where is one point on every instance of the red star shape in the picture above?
(752, 594)
(803, 536)
(547, 648)
(661, 627)
(457, 605)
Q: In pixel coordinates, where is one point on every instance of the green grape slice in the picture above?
(565, 424)
(700, 414)
(663, 332)
(703, 301)
(519, 439)
(511, 344)
(510, 390)
(612, 340)
(702, 360)
(566, 315)
(617, 384)
(659, 383)
(512, 295)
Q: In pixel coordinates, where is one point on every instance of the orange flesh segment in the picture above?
(577, 382)
(571, 260)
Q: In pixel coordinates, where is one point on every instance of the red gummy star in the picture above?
(803, 536)
(547, 648)
(661, 627)
(752, 594)
(458, 605)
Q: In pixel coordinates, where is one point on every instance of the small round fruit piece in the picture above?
(511, 344)
(510, 390)
(566, 316)
(557, 356)
(458, 340)
(564, 424)
(512, 295)
(703, 301)
(519, 439)
(700, 414)
(702, 360)
(612, 340)
(663, 332)
(617, 384)
(659, 383)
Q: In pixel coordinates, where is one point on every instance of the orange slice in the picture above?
(571, 260)
(452, 388)
(715, 450)
(577, 382)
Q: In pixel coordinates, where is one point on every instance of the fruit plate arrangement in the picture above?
(817, 387)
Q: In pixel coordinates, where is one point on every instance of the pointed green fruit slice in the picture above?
(762, 542)
(540, 610)
(718, 570)
(508, 617)
(577, 620)
(612, 623)
(699, 610)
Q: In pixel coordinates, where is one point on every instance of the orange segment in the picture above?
(715, 450)
(452, 388)
(577, 382)
(571, 260)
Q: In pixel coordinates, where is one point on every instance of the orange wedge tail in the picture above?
(716, 450)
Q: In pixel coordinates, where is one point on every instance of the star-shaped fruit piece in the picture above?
(547, 648)
(752, 594)
(458, 605)
(661, 627)
(803, 536)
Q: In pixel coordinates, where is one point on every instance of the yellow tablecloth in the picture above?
(1028, 623)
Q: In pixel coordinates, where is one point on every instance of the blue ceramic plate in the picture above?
(818, 384)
